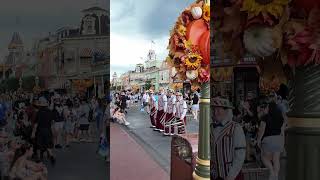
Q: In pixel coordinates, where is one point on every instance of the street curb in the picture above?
(155, 155)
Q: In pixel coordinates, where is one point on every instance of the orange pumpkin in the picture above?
(204, 46)
(195, 29)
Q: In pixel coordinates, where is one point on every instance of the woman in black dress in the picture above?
(42, 131)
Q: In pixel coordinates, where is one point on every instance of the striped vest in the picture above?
(222, 154)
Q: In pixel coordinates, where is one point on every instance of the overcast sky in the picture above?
(39, 17)
(134, 23)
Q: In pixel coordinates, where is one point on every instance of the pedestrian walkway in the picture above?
(129, 160)
(79, 162)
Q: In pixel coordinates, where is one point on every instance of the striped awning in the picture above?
(86, 52)
(100, 52)
(100, 55)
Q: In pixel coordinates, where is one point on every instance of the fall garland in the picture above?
(286, 29)
(189, 45)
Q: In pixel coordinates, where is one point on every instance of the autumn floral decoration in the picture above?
(187, 44)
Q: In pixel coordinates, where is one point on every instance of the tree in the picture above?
(28, 83)
(148, 85)
(11, 84)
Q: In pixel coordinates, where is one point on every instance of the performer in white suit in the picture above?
(153, 108)
(170, 117)
(181, 111)
(162, 110)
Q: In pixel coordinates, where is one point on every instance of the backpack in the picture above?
(103, 147)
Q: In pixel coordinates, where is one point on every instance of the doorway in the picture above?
(246, 80)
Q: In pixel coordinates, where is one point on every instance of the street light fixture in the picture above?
(20, 83)
(37, 81)
(202, 170)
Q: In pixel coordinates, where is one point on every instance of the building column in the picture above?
(94, 86)
(3, 72)
(103, 92)
(99, 18)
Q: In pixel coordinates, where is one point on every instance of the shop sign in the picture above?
(248, 59)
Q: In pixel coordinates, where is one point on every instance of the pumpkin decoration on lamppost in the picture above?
(189, 56)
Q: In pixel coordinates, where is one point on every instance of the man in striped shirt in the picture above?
(228, 143)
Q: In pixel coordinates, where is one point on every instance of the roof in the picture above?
(15, 41)
(95, 8)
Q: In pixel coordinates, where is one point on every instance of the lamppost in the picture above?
(37, 81)
(20, 83)
(202, 170)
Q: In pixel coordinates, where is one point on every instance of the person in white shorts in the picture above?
(84, 120)
(58, 124)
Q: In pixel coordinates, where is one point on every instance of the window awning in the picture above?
(100, 55)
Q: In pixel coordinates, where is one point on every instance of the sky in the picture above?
(37, 18)
(134, 24)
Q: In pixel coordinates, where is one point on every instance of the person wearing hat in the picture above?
(181, 109)
(170, 117)
(153, 108)
(162, 110)
(228, 143)
(42, 131)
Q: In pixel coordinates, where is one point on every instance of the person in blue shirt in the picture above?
(3, 111)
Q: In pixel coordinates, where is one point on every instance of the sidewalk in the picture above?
(129, 160)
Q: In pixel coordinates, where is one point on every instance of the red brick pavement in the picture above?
(129, 160)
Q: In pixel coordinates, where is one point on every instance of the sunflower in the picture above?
(181, 30)
(273, 7)
(188, 44)
(206, 12)
(193, 61)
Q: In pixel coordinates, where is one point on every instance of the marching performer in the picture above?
(152, 108)
(170, 117)
(162, 110)
(181, 111)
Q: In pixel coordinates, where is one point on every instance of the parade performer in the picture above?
(170, 117)
(153, 108)
(228, 143)
(181, 111)
(162, 110)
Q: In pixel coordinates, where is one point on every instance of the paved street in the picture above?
(79, 162)
(157, 145)
(129, 160)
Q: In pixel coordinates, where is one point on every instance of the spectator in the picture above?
(270, 137)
